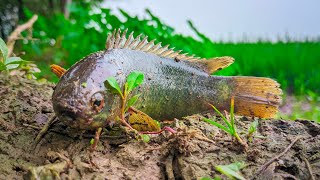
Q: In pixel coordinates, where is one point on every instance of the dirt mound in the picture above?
(190, 154)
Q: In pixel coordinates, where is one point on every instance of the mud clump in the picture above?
(25, 106)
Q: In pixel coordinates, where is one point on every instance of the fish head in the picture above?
(81, 100)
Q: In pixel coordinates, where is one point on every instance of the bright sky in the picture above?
(233, 20)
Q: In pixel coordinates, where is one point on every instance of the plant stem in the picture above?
(123, 106)
(96, 139)
(232, 115)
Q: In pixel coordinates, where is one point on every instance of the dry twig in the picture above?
(308, 167)
(262, 168)
(44, 130)
(16, 34)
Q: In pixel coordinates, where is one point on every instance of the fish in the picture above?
(176, 85)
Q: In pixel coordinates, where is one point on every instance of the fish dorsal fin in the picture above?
(213, 64)
(116, 40)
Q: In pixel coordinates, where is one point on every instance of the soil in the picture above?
(192, 153)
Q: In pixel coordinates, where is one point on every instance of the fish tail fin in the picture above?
(255, 96)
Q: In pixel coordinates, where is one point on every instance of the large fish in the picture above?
(175, 85)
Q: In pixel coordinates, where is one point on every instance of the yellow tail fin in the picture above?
(258, 97)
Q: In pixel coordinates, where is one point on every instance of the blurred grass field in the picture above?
(295, 65)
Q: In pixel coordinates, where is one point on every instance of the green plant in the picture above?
(230, 128)
(16, 65)
(134, 79)
(232, 170)
(252, 129)
(209, 178)
(8, 63)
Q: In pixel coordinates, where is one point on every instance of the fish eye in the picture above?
(97, 101)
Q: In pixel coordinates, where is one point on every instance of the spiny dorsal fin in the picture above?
(116, 40)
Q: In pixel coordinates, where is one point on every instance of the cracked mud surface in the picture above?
(192, 153)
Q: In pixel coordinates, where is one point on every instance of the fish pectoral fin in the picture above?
(140, 121)
(57, 70)
(213, 64)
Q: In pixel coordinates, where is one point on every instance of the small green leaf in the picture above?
(253, 126)
(2, 66)
(206, 178)
(232, 170)
(145, 138)
(112, 83)
(13, 62)
(92, 141)
(134, 79)
(3, 50)
(158, 123)
(222, 116)
(132, 101)
(84, 84)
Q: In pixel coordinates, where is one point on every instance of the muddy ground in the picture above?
(192, 153)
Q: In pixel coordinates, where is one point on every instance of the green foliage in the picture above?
(252, 129)
(132, 101)
(91, 141)
(21, 66)
(232, 170)
(84, 84)
(253, 126)
(3, 50)
(134, 79)
(64, 41)
(145, 137)
(301, 107)
(113, 85)
(8, 63)
(230, 128)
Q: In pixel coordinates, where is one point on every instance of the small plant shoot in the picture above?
(134, 79)
(145, 138)
(132, 101)
(230, 128)
(92, 141)
(11, 63)
(8, 63)
(252, 129)
(232, 170)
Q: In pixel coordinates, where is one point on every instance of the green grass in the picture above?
(295, 65)
(301, 107)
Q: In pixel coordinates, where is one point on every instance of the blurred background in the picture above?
(270, 38)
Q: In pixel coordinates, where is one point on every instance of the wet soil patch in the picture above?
(192, 153)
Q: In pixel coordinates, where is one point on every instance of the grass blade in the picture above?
(218, 125)
(222, 116)
(232, 114)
